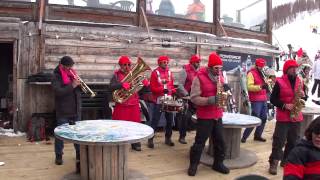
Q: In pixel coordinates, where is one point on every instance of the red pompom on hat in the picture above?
(194, 59)
(124, 60)
(260, 62)
(288, 64)
(214, 60)
(162, 59)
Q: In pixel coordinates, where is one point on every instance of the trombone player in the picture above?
(128, 110)
(67, 103)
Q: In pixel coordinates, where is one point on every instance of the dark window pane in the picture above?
(199, 10)
(247, 14)
(124, 5)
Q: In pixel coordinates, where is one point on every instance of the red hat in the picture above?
(162, 59)
(194, 59)
(300, 52)
(288, 64)
(214, 60)
(124, 60)
(260, 62)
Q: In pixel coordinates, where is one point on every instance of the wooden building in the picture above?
(37, 33)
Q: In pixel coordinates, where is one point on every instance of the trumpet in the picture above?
(85, 88)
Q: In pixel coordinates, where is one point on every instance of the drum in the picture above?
(168, 104)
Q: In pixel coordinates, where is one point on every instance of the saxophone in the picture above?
(298, 103)
(221, 95)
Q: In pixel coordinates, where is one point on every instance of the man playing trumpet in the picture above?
(128, 110)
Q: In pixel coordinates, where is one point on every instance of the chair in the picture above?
(124, 5)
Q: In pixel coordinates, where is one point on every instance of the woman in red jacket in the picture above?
(304, 160)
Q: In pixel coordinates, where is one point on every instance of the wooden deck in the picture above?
(31, 161)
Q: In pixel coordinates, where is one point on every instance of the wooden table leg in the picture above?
(104, 162)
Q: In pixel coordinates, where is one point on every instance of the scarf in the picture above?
(66, 75)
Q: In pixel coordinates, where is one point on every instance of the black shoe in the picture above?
(182, 140)
(58, 160)
(150, 143)
(136, 147)
(192, 170)
(220, 167)
(78, 167)
(243, 140)
(169, 142)
(261, 139)
(283, 163)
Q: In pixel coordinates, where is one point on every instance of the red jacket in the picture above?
(191, 74)
(258, 80)
(208, 88)
(158, 76)
(287, 95)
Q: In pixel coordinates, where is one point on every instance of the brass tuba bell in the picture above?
(134, 77)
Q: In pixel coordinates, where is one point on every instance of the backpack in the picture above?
(36, 128)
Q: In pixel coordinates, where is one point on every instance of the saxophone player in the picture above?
(205, 96)
(128, 110)
(287, 129)
(258, 89)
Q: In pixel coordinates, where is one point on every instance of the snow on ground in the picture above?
(10, 133)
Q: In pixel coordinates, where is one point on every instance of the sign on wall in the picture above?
(232, 60)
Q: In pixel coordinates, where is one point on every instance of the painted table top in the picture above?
(311, 111)
(235, 120)
(104, 132)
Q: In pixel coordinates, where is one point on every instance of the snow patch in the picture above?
(10, 133)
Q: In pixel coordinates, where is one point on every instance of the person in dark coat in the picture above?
(67, 103)
(304, 158)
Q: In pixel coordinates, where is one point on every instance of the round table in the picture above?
(104, 146)
(236, 157)
(308, 115)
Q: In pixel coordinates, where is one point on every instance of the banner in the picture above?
(232, 60)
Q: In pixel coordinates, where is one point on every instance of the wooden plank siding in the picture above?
(24, 11)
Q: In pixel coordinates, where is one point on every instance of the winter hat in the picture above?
(66, 61)
(288, 64)
(260, 62)
(300, 52)
(163, 59)
(124, 60)
(194, 59)
(214, 60)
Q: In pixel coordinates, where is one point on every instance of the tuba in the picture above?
(85, 88)
(266, 80)
(134, 77)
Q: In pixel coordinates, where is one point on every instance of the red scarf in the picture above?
(66, 75)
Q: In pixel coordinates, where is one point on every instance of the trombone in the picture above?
(85, 88)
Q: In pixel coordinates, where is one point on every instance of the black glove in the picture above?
(226, 87)
(165, 91)
(265, 86)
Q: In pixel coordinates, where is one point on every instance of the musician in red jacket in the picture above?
(130, 109)
(304, 159)
(285, 92)
(209, 115)
(161, 84)
(186, 76)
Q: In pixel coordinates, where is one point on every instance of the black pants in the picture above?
(206, 128)
(184, 119)
(315, 85)
(277, 64)
(285, 132)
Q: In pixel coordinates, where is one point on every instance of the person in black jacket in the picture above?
(304, 159)
(67, 103)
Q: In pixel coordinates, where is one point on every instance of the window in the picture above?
(124, 5)
(199, 10)
(247, 14)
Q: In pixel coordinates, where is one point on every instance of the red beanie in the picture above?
(162, 59)
(214, 60)
(288, 64)
(194, 59)
(260, 62)
(300, 52)
(124, 60)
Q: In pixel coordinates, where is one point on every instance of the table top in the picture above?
(103, 132)
(311, 111)
(235, 120)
